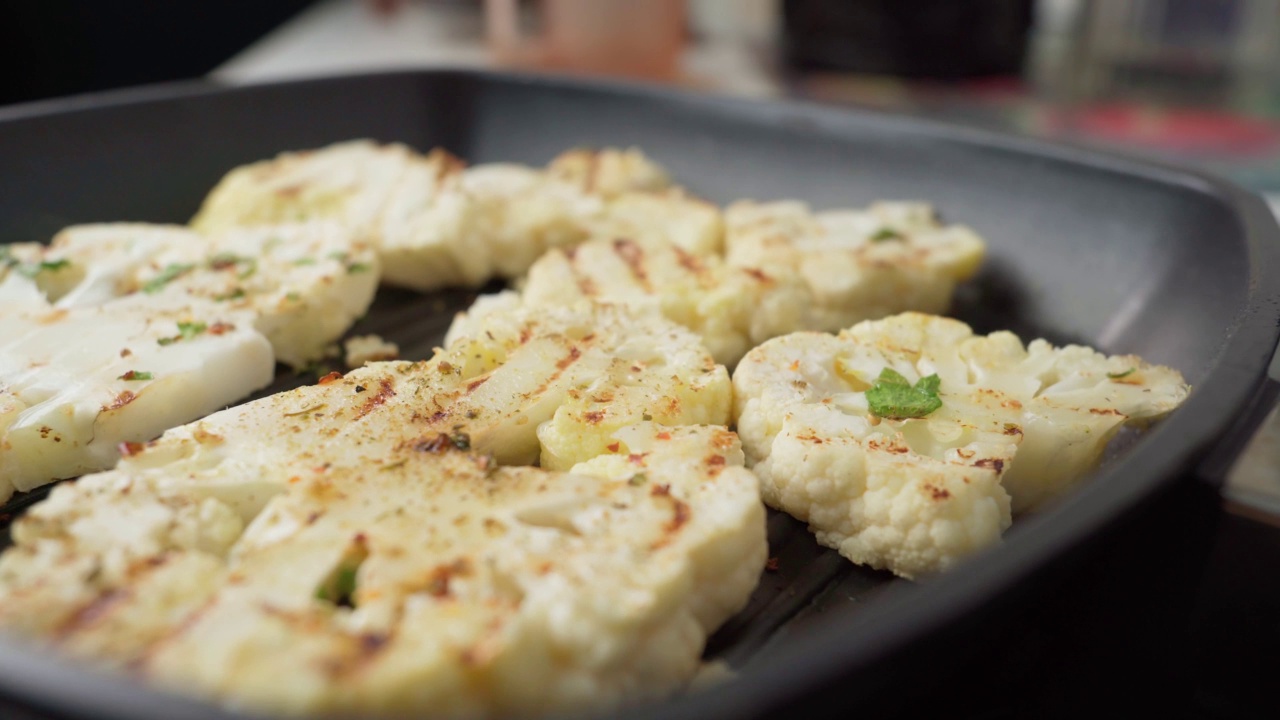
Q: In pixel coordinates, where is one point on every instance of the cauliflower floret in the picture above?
(731, 308)
(609, 172)
(356, 546)
(860, 264)
(1017, 426)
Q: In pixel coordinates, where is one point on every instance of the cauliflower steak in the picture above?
(908, 443)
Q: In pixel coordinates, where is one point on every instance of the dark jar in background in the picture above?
(924, 39)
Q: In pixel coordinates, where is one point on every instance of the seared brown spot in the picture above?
(574, 354)
(936, 493)
(593, 417)
(1011, 403)
(385, 392)
(289, 191)
(92, 613)
(1105, 411)
(124, 398)
(312, 517)
(660, 490)
(723, 440)
(687, 260)
(633, 255)
(966, 454)
(679, 516)
(759, 275)
(1010, 429)
(471, 386)
(587, 286)
(637, 459)
(715, 460)
(126, 352)
(992, 463)
(221, 328)
(438, 580)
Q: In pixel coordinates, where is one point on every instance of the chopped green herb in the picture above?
(305, 261)
(1126, 373)
(233, 295)
(637, 479)
(358, 267)
(646, 417)
(170, 273)
(894, 398)
(343, 589)
(186, 331)
(886, 233)
(292, 296)
(133, 375)
(339, 255)
(33, 269)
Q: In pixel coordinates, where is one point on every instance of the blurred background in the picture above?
(1190, 80)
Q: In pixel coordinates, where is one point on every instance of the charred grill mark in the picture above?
(995, 464)
(385, 392)
(633, 255)
(471, 386)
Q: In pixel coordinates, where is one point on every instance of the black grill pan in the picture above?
(1125, 255)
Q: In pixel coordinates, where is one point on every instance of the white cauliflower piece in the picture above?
(609, 172)
(1017, 426)
(733, 309)
(363, 349)
(304, 284)
(860, 264)
(333, 548)
(436, 223)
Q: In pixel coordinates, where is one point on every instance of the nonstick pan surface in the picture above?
(1083, 247)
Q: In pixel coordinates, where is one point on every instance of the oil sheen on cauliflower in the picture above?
(731, 308)
(361, 545)
(1018, 426)
(860, 264)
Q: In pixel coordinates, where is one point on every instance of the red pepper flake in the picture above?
(129, 449)
(124, 398)
(221, 328)
(613, 447)
(335, 375)
(771, 564)
(664, 436)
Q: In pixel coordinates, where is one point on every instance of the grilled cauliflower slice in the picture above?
(340, 533)
(78, 382)
(731, 308)
(304, 284)
(860, 264)
(609, 171)
(579, 372)
(349, 182)
(654, 219)
(1017, 426)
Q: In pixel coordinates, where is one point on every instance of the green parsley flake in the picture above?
(894, 398)
(358, 267)
(304, 261)
(134, 375)
(342, 590)
(886, 233)
(1126, 373)
(170, 273)
(233, 295)
(186, 331)
(637, 479)
(30, 269)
